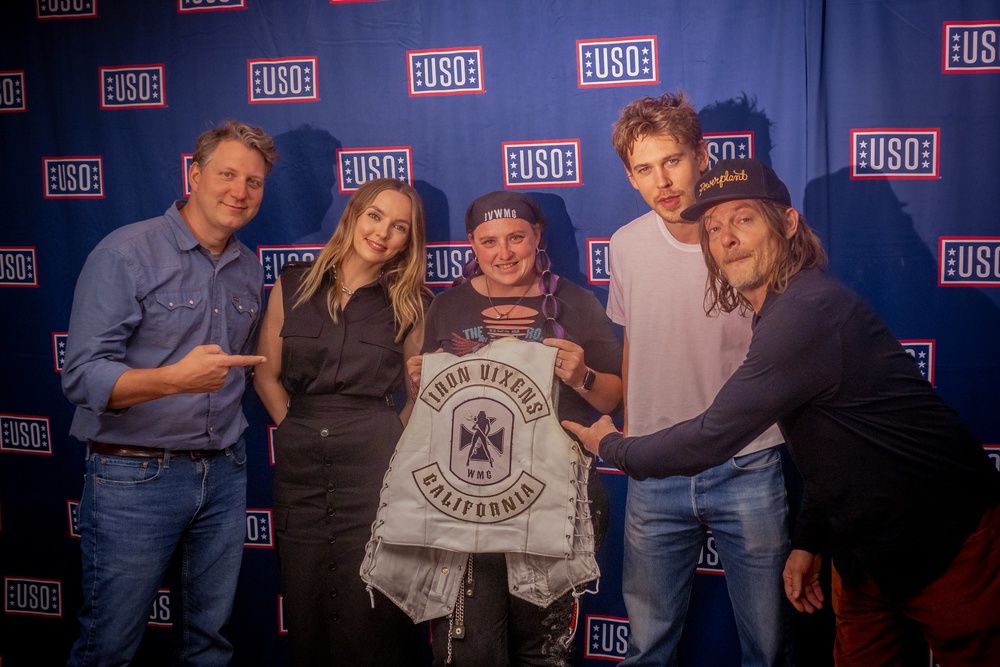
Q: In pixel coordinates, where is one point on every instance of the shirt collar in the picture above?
(380, 282)
(381, 285)
(385, 287)
(185, 239)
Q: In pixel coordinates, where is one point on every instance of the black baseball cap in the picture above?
(736, 179)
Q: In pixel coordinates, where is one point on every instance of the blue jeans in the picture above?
(743, 502)
(135, 514)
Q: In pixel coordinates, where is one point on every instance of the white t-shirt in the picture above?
(678, 357)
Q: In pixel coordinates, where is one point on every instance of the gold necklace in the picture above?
(350, 292)
(503, 316)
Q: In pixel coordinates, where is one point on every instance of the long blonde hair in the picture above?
(403, 274)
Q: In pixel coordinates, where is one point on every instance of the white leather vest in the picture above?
(483, 466)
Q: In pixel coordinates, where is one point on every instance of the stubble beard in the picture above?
(743, 280)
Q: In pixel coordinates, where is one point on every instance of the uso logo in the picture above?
(357, 166)
(65, 9)
(970, 47)
(708, 560)
(25, 435)
(12, 92)
(728, 146)
(73, 177)
(279, 80)
(186, 160)
(186, 6)
(132, 87)
(59, 349)
(282, 627)
(17, 267)
(273, 257)
(627, 61)
(599, 264)
(271, 428)
(540, 163)
(922, 353)
(895, 153)
(993, 451)
(607, 638)
(159, 615)
(33, 597)
(258, 530)
(967, 261)
(445, 261)
(73, 517)
(445, 71)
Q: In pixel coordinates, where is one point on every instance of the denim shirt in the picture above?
(147, 295)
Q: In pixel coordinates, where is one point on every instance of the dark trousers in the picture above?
(958, 613)
(501, 629)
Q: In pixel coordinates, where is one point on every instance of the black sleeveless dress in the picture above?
(331, 453)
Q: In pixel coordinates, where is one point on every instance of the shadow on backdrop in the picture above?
(739, 114)
(561, 243)
(299, 192)
(875, 249)
(437, 213)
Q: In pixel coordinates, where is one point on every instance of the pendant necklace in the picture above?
(503, 316)
(347, 290)
(343, 287)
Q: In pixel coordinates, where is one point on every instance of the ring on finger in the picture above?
(558, 363)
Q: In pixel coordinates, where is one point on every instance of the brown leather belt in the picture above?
(132, 451)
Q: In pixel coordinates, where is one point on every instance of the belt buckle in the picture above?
(200, 454)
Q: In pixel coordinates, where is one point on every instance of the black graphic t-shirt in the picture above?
(462, 320)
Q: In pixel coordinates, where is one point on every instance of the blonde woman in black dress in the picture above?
(336, 334)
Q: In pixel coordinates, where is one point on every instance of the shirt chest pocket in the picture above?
(295, 327)
(173, 301)
(173, 318)
(302, 350)
(385, 356)
(242, 312)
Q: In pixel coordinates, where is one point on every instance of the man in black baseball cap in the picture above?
(747, 261)
(896, 487)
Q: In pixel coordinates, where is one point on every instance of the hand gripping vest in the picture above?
(483, 466)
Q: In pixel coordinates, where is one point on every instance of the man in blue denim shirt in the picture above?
(164, 314)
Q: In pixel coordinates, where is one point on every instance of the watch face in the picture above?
(588, 380)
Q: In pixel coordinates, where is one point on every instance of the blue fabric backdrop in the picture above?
(881, 116)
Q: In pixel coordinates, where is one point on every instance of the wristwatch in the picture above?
(588, 381)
